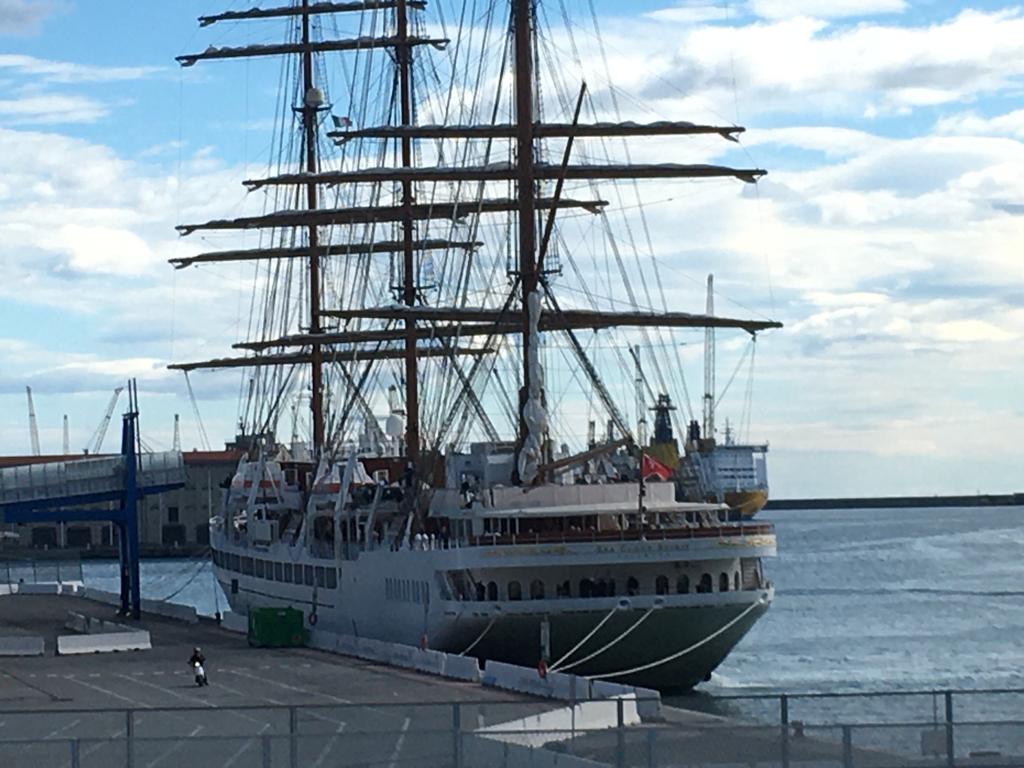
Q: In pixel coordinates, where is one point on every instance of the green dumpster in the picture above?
(276, 628)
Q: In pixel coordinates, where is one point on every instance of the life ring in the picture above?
(312, 619)
(542, 669)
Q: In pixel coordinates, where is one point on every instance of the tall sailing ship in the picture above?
(414, 251)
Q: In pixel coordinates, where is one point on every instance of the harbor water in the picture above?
(866, 600)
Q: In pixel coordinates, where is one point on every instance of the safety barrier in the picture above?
(89, 625)
(234, 622)
(22, 645)
(105, 643)
(39, 589)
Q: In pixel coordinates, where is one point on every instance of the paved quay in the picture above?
(346, 711)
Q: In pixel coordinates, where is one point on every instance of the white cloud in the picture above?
(834, 9)
(51, 109)
(971, 124)
(70, 72)
(19, 17)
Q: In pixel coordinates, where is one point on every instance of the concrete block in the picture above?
(22, 645)
(429, 662)
(461, 668)
(185, 613)
(555, 685)
(348, 645)
(76, 622)
(101, 596)
(39, 589)
(105, 643)
(235, 622)
(648, 703)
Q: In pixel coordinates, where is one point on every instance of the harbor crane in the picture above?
(33, 427)
(96, 443)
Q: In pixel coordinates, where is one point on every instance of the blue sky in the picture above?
(887, 236)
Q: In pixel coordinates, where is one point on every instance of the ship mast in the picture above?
(412, 395)
(311, 103)
(709, 365)
(522, 12)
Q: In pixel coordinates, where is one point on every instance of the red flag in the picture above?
(650, 466)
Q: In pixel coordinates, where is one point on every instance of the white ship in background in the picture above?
(421, 246)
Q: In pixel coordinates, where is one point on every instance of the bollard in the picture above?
(293, 737)
(456, 736)
(950, 751)
(784, 718)
(847, 747)
(75, 750)
(129, 739)
(620, 735)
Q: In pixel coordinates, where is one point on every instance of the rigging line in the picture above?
(204, 440)
(201, 567)
(474, 644)
(609, 644)
(736, 370)
(680, 654)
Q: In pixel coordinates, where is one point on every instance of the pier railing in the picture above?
(40, 571)
(500, 734)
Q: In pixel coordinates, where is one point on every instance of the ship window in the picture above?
(287, 572)
(632, 586)
(278, 571)
(492, 591)
(586, 588)
(564, 589)
(600, 588)
(247, 566)
(515, 591)
(683, 585)
(321, 577)
(705, 583)
(536, 589)
(234, 563)
(736, 581)
(309, 575)
(426, 592)
(259, 568)
(661, 585)
(611, 587)
(481, 592)
(723, 582)
(332, 578)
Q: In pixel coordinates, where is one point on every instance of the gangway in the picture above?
(103, 489)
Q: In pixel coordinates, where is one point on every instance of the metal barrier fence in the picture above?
(491, 735)
(18, 571)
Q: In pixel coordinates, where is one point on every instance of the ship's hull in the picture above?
(746, 503)
(676, 640)
(664, 634)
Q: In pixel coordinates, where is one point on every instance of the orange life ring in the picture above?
(542, 669)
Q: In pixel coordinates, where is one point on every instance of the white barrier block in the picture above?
(235, 622)
(556, 685)
(115, 641)
(429, 662)
(323, 640)
(101, 596)
(39, 589)
(22, 645)
(76, 622)
(648, 703)
(461, 668)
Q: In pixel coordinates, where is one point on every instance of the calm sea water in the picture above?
(866, 600)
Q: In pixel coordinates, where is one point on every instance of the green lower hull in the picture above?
(665, 632)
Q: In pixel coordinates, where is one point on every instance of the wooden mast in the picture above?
(526, 192)
(412, 392)
(311, 103)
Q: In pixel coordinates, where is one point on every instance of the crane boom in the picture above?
(33, 427)
(96, 443)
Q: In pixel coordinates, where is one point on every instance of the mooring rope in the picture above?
(677, 654)
(481, 637)
(608, 645)
(554, 667)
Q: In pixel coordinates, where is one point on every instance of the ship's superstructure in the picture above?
(389, 232)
